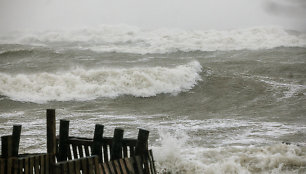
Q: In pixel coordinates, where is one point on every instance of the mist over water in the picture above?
(220, 85)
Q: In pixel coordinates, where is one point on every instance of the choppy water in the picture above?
(214, 101)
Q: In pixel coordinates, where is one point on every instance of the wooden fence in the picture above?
(86, 165)
(26, 164)
(67, 154)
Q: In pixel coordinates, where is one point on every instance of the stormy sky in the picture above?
(186, 14)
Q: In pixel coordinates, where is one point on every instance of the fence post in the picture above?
(141, 149)
(51, 138)
(16, 139)
(51, 131)
(63, 140)
(142, 142)
(6, 146)
(98, 138)
(116, 150)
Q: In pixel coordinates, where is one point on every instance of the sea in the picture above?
(214, 101)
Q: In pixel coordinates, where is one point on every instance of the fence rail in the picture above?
(86, 165)
(79, 147)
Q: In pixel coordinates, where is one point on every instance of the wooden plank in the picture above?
(57, 169)
(116, 151)
(63, 140)
(51, 131)
(47, 163)
(9, 166)
(151, 158)
(90, 165)
(130, 141)
(146, 165)
(52, 163)
(130, 165)
(123, 166)
(105, 153)
(139, 164)
(15, 166)
(80, 141)
(80, 151)
(64, 168)
(77, 166)
(42, 164)
(97, 165)
(150, 163)
(117, 166)
(75, 153)
(106, 168)
(86, 147)
(2, 165)
(31, 165)
(20, 165)
(125, 151)
(36, 164)
(69, 155)
(71, 167)
(26, 165)
(57, 147)
(132, 151)
(111, 167)
(84, 166)
(16, 139)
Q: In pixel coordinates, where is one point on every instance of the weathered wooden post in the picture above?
(6, 150)
(6, 146)
(141, 149)
(16, 139)
(63, 140)
(142, 142)
(51, 137)
(116, 150)
(51, 131)
(98, 138)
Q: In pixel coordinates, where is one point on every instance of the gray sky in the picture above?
(186, 14)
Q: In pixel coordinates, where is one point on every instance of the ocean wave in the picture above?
(83, 84)
(16, 52)
(130, 39)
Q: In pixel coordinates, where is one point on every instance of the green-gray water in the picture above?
(213, 102)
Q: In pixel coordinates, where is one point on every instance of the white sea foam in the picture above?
(135, 40)
(175, 156)
(83, 84)
(289, 89)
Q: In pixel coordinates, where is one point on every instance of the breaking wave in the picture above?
(82, 84)
(130, 39)
(174, 155)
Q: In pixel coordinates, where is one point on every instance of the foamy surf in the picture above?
(174, 155)
(129, 39)
(87, 84)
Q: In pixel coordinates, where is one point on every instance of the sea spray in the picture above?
(88, 84)
(129, 39)
(169, 155)
(175, 155)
